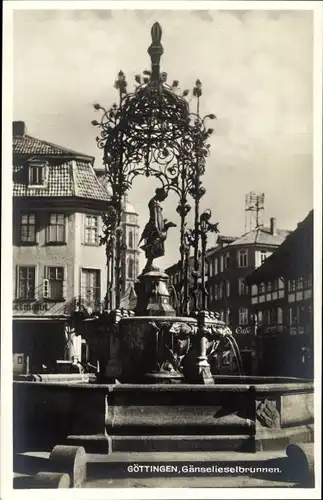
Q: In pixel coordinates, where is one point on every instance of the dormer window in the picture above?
(37, 171)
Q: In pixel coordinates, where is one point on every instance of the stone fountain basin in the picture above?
(244, 416)
(146, 343)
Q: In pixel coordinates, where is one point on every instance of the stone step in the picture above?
(274, 468)
(166, 456)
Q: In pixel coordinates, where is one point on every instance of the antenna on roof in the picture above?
(254, 207)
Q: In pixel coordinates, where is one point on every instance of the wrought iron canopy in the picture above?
(152, 131)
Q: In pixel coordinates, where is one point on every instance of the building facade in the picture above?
(58, 263)
(229, 265)
(282, 303)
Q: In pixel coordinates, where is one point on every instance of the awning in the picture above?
(33, 319)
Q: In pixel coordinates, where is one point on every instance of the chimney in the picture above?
(273, 226)
(18, 128)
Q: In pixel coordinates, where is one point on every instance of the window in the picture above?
(216, 292)
(300, 283)
(243, 316)
(220, 291)
(227, 260)
(53, 284)
(221, 264)
(130, 268)
(242, 258)
(254, 290)
(260, 318)
(28, 228)
(37, 174)
(241, 286)
(273, 315)
(215, 266)
(91, 229)
(90, 285)
(279, 315)
(56, 228)
(227, 288)
(269, 287)
(308, 282)
(26, 282)
(291, 285)
(263, 256)
(130, 239)
(227, 316)
(261, 288)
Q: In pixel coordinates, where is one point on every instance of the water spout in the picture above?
(236, 352)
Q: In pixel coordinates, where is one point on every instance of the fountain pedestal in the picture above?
(202, 373)
(152, 294)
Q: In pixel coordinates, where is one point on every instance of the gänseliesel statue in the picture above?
(155, 231)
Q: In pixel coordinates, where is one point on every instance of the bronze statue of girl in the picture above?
(155, 231)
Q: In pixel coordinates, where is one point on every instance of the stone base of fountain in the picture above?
(157, 404)
(169, 417)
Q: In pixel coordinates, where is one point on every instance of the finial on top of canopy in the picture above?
(155, 51)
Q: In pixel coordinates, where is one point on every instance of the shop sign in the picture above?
(34, 307)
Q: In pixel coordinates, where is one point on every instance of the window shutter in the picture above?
(45, 288)
(45, 284)
(17, 295)
(47, 235)
(64, 283)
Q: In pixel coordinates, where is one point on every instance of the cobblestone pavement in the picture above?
(193, 482)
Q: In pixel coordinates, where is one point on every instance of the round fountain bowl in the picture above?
(160, 349)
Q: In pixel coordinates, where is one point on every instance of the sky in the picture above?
(256, 70)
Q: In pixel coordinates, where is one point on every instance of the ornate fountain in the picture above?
(160, 385)
(152, 132)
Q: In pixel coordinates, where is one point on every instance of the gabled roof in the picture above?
(65, 179)
(87, 183)
(26, 145)
(68, 173)
(261, 236)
